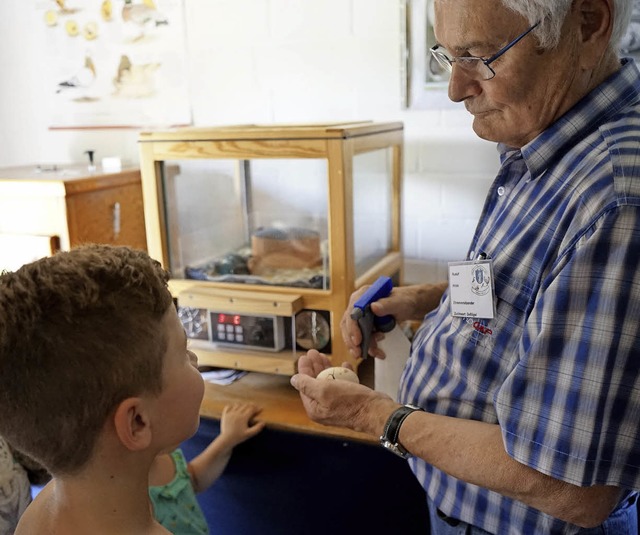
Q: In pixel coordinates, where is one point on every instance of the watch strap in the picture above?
(389, 438)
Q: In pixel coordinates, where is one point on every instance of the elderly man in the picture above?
(525, 418)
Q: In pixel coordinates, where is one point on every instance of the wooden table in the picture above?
(281, 405)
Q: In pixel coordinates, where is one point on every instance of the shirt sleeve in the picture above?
(570, 408)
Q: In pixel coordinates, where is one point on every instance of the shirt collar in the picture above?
(612, 96)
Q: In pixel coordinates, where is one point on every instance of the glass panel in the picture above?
(372, 195)
(260, 221)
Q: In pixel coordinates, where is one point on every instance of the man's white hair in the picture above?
(552, 13)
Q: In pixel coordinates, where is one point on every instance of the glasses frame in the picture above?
(445, 61)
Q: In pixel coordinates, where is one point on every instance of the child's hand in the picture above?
(237, 423)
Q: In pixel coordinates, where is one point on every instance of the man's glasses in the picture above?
(475, 67)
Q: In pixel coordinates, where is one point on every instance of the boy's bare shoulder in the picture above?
(44, 517)
(40, 517)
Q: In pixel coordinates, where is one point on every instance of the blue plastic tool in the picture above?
(367, 320)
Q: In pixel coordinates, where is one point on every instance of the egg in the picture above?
(339, 373)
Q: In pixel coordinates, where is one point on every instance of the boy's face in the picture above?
(178, 405)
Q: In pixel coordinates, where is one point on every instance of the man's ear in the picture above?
(132, 424)
(596, 25)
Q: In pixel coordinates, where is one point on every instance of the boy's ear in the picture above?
(132, 424)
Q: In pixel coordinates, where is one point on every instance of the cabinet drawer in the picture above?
(111, 215)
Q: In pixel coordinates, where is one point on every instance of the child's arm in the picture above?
(236, 426)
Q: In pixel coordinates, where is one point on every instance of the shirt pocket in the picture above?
(492, 347)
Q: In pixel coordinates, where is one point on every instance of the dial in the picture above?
(312, 330)
(194, 321)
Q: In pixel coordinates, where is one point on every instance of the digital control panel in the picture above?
(265, 333)
(260, 332)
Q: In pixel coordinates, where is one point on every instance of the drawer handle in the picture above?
(116, 220)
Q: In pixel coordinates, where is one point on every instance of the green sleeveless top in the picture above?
(175, 505)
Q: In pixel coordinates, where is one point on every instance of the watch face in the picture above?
(312, 330)
(394, 448)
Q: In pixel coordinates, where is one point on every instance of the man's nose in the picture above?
(462, 85)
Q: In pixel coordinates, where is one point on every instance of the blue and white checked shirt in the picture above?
(558, 368)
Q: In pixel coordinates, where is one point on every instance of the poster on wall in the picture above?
(115, 63)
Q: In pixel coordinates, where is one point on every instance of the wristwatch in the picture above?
(389, 438)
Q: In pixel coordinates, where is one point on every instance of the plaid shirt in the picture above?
(558, 366)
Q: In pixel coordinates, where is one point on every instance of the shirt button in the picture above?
(501, 191)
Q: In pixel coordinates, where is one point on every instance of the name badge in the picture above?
(471, 289)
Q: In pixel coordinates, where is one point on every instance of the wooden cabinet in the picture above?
(226, 210)
(59, 207)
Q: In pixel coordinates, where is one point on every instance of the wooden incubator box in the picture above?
(267, 230)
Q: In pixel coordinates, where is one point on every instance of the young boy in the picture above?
(174, 482)
(95, 381)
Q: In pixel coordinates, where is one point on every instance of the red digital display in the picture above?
(231, 319)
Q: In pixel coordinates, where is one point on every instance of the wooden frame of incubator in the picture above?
(338, 144)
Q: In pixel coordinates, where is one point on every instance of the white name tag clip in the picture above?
(472, 289)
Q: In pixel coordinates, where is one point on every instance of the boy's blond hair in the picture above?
(79, 333)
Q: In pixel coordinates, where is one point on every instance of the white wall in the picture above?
(279, 61)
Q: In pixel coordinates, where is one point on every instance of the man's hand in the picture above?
(339, 403)
(403, 303)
